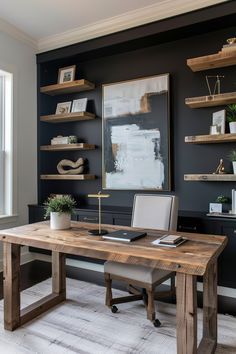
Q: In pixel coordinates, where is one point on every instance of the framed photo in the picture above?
(63, 107)
(66, 74)
(79, 105)
(218, 119)
(215, 207)
(136, 134)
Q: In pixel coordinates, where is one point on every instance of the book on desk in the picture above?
(124, 235)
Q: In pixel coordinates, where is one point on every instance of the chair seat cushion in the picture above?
(136, 272)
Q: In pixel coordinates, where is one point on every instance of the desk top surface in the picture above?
(193, 257)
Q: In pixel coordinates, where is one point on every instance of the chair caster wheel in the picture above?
(157, 323)
(114, 309)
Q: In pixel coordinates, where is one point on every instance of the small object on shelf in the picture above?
(77, 167)
(215, 208)
(220, 170)
(233, 208)
(232, 157)
(66, 74)
(73, 139)
(99, 231)
(60, 140)
(231, 41)
(214, 129)
(231, 117)
(79, 105)
(218, 119)
(216, 89)
(63, 107)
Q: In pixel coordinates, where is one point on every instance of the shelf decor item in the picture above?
(79, 105)
(220, 170)
(66, 74)
(60, 209)
(231, 117)
(63, 107)
(218, 119)
(216, 88)
(77, 167)
(99, 231)
(232, 157)
(136, 150)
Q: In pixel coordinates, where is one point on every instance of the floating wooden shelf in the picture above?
(210, 101)
(210, 177)
(67, 87)
(68, 177)
(67, 147)
(210, 139)
(221, 59)
(66, 118)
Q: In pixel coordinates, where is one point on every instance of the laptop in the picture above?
(124, 235)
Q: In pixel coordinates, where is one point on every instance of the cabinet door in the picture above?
(227, 260)
(189, 224)
(93, 218)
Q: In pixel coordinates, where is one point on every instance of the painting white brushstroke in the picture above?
(136, 134)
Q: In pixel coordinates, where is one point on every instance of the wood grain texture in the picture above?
(59, 273)
(68, 177)
(211, 101)
(67, 118)
(210, 177)
(192, 257)
(210, 139)
(67, 147)
(67, 87)
(219, 60)
(186, 312)
(11, 276)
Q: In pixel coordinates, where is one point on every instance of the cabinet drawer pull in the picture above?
(90, 219)
(234, 231)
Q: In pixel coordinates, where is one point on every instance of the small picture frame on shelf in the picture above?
(215, 207)
(79, 105)
(66, 74)
(218, 119)
(63, 107)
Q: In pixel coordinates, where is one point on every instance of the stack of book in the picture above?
(169, 241)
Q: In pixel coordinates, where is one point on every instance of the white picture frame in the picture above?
(218, 119)
(79, 105)
(66, 74)
(215, 207)
(63, 107)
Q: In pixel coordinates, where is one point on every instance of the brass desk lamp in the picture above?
(98, 231)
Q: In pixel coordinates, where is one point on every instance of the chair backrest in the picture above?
(153, 211)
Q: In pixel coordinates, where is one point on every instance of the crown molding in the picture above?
(18, 34)
(155, 12)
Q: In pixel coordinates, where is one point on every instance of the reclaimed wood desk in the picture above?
(196, 257)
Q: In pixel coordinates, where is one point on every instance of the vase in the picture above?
(234, 167)
(232, 127)
(60, 221)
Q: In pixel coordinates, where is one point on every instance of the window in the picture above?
(6, 144)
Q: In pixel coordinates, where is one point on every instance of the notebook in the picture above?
(169, 241)
(124, 235)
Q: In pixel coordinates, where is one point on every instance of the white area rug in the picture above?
(82, 324)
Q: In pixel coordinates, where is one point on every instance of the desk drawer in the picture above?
(93, 218)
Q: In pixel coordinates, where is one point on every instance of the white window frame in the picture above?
(9, 161)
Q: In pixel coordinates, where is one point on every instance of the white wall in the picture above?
(21, 58)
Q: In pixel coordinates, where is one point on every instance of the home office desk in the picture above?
(196, 257)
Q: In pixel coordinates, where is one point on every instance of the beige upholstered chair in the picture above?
(149, 211)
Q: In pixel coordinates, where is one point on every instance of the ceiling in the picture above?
(52, 23)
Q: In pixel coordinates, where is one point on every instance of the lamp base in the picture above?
(97, 233)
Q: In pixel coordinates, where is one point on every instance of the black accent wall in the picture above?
(127, 59)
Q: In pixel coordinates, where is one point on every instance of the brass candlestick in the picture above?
(98, 231)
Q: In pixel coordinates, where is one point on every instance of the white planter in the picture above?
(234, 167)
(60, 221)
(232, 127)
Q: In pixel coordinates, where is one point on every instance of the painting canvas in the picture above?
(136, 134)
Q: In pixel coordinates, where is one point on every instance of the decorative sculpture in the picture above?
(216, 86)
(220, 168)
(77, 167)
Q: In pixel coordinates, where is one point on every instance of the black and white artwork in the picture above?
(136, 134)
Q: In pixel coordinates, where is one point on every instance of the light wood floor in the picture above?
(84, 325)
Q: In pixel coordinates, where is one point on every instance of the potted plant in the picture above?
(231, 117)
(232, 157)
(225, 201)
(59, 209)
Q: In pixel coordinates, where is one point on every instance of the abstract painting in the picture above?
(136, 134)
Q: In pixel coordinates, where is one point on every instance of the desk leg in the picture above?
(11, 276)
(58, 273)
(186, 316)
(209, 340)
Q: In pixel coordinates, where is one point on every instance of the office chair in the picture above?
(149, 211)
